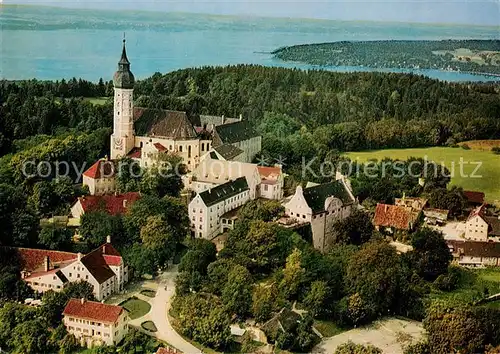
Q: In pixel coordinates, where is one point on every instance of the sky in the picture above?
(474, 12)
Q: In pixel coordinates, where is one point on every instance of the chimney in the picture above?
(108, 239)
(124, 203)
(223, 119)
(79, 256)
(241, 117)
(82, 300)
(46, 263)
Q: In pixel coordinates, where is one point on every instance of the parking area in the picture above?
(391, 335)
(452, 230)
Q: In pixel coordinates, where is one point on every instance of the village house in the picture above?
(271, 182)
(393, 218)
(100, 177)
(436, 216)
(321, 205)
(95, 323)
(474, 199)
(103, 268)
(112, 204)
(214, 210)
(475, 253)
(481, 227)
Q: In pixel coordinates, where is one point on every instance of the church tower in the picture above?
(122, 140)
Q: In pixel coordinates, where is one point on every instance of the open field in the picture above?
(481, 145)
(474, 285)
(97, 100)
(391, 335)
(485, 179)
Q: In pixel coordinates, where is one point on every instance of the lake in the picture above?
(54, 43)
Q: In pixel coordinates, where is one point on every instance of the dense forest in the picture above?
(309, 114)
(477, 56)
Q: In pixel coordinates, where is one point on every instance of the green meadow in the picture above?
(485, 179)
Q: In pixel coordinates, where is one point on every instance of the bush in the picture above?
(496, 150)
(465, 147)
(448, 281)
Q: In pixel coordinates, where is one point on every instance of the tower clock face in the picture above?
(118, 144)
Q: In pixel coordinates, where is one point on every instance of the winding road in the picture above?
(159, 314)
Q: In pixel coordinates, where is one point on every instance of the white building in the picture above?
(480, 227)
(212, 172)
(100, 177)
(321, 205)
(103, 268)
(271, 182)
(95, 323)
(212, 211)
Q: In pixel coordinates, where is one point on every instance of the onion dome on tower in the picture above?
(124, 78)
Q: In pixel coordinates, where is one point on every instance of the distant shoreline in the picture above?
(242, 15)
(474, 57)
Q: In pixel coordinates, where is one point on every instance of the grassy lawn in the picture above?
(148, 293)
(97, 100)
(149, 326)
(136, 307)
(475, 284)
(327, 328)
(489, 169)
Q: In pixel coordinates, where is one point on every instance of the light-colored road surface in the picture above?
(391, 335)
(159, 309)
(453, 230)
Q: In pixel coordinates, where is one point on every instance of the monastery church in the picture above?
(142, 133)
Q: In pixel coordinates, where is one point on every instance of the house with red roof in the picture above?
(113, 204)
(474, 198)
(103, 268)
(100, 177)
(271, 182)
(95, 323)
(395, 217)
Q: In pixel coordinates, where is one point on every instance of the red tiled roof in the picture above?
(160, 147)
(474, 197)
(112, 204)
(33, 259)
(399, 217)
(94, 311)
(135, 153)
(112, 260)
(265, 171)
(102, 168)
(479, 211)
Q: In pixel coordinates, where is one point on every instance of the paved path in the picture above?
(390, 335)
(159, 310)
